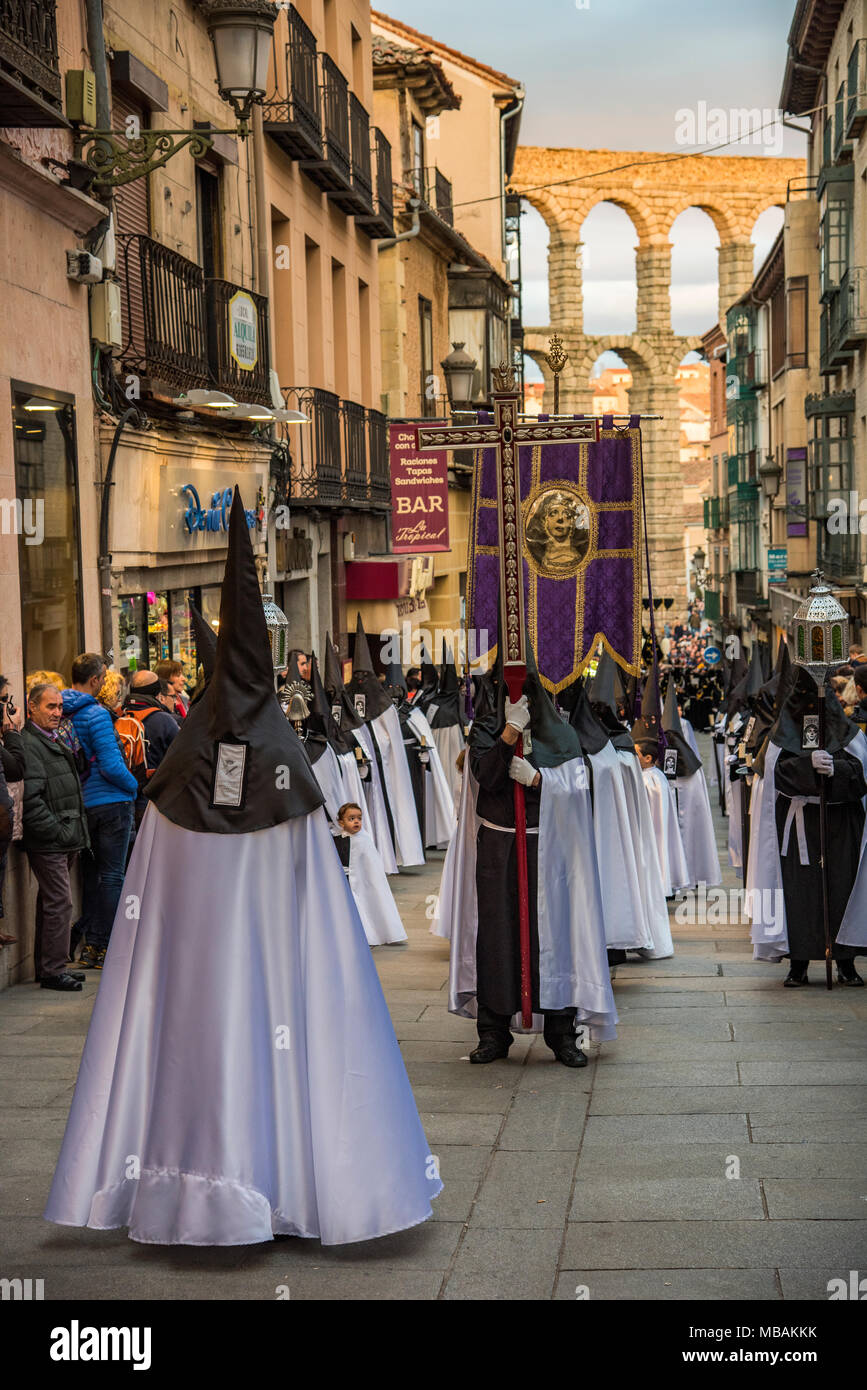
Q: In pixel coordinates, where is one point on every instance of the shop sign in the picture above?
(243, 331)
(778, 564)
(419, 495)
(212, 518)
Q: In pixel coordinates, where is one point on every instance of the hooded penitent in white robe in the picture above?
(245, 1060)
(386, 729)
(353, 789)
(696, 828)
(765, 902)
(457, 895)
(376, 906)
(439, 812)
(618, 854)
(689, 735)
(573, 964)
(375, 798)
(663, 811)
(449, 741)
(653, 894)
(327, 772)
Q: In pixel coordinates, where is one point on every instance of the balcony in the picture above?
(358, 200)
(856, 89)
(712, 605)
(843, 320)
(332, 169)
(295, 122)
(380, 223)
(435, 191)
(341, 458)
(748, 588)
(843, 145)
(238, 341)
(181, 332)
(30, 89)
(716, 513)
(749, 370)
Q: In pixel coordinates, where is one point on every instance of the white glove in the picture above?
(518, 715)
(822, 762)
(522, 771)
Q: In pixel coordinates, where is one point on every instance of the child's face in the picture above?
(351, 821)
(645, 759)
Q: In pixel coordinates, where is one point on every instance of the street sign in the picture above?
(712, 656)
(243, 331)
(778, 561)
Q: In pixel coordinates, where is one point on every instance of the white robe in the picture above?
(449, 743)
(697, 830)
(618, 855)
(374, 794)
(241, 1076)
(386, 730)
(439, 806)
(456, 899)
(353, 789)
(573, 964)
(653, 897)
(669, 844)
(328, 774)
(376, 906)
(689, 735)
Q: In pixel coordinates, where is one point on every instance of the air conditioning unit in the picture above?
(105, 316)
(83, 267)
(81, 96)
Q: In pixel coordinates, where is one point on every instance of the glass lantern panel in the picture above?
(817, 643)
(836, 642)
(801, 650)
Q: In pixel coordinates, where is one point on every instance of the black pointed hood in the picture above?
(602, 690)
(755, 675)
(395, 682)
(688, 762)
(592, 733)
(552, 740)
(448, 696)
(337, 692)
(206, 642)
(320, 723)
(429, 679)
(236, 765)
(737, 684)
(364, 685)
(801, 698)
(648, 727)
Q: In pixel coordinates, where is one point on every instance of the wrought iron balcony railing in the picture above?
(163, 314)
(856, 90)
(843, 320)
(295, 121)
(181, 331)
(239, 353)
(380, 223)
(332, 169)
(434, 189)
(357, 199)
(749, 369)
(30, 89)
(341, 458)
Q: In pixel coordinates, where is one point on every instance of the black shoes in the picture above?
(567, 1051)
(848, 975)
(490, 1050)
(65, 982)
(794, 979)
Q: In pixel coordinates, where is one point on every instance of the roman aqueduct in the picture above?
(564, 185)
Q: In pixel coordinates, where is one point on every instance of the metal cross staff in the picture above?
(505, 435)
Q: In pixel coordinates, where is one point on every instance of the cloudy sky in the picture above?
(619, 75)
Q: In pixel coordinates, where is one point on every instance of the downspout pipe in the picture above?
(415, 204)
(99, 62)
(104, 560)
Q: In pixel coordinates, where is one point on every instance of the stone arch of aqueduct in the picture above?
(733, 192)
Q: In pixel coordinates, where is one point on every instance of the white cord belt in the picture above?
(796, 814)
(509, 829)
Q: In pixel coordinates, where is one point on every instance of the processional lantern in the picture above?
(820, 630)
(278, 633)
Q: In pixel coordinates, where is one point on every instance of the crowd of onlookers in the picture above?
(74, 763)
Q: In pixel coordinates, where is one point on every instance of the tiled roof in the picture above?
(432, 88)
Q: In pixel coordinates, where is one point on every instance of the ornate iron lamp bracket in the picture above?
(114, 160)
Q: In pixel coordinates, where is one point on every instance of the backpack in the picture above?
(129, 729)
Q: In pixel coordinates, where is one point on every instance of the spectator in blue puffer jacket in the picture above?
(109, 793)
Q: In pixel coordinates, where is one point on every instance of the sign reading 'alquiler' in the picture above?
(419, 495)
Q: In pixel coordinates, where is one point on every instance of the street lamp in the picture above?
(241, 32)
(459, 370)
(770, 475)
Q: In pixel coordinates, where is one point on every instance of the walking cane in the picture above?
(823, 842)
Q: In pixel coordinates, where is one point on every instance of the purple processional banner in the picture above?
(581, 508)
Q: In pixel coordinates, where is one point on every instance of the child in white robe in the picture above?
(364, 869)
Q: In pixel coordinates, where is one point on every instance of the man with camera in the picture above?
(11, 780)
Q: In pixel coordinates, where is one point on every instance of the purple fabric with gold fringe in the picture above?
(581, 508)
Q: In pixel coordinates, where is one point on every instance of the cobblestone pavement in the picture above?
(618, 1179)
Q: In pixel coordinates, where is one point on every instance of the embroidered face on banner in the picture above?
(557, 531)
